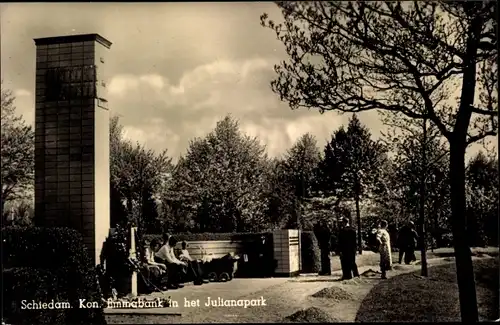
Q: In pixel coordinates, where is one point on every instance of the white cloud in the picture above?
(134, 134)
(279, 135)
(152, 134)
(154, 80)
(121, 84)
(169, 115)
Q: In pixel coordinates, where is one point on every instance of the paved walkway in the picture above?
(237, 289)
(229, 290)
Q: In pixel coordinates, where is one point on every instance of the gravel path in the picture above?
(285, 299)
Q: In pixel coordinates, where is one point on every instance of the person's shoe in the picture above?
(198, 282)
(345, 279)
(172, 287)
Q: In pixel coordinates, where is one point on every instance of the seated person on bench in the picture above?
(194, 265)
(177, 269)
(193, 272)
(154, 270)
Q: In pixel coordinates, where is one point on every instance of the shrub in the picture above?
(446, 240)
(310, 253)
(37, 258)
(25, 285)
(246, 236)
(118, 265)
(368, 241)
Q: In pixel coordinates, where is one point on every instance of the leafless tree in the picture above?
(406, 57)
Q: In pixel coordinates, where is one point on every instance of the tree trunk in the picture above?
(358, 219)
(2, 204)
(239, 220)
(458, 146)
(423, 176)
(130, 210)
(4, 217)
(463, 258)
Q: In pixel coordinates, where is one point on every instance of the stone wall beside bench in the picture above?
(287, 252)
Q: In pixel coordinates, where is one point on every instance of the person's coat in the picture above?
(323, 236)
(347, 241)
(407, 238)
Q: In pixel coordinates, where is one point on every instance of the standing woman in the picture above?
(384, 240)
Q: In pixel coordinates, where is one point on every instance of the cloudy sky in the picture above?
(176, 68)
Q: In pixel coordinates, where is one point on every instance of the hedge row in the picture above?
(45, 264)
(310, 253)
(23, 285)
(211, 236)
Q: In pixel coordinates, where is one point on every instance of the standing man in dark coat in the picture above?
(347, 250)
(262, 262)
(407, 242)
(323, 235)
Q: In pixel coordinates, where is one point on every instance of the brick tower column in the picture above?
(72, 137)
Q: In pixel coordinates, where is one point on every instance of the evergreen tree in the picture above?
(300, 164)
(351, 165)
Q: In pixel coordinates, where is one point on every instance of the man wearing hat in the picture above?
(347, 250)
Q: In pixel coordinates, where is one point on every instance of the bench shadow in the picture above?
(351, 281)
(317, 280)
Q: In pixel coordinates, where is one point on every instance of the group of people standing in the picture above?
(347, 246)
(162, 263)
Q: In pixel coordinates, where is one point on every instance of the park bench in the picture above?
(213, 248)
(220, 257)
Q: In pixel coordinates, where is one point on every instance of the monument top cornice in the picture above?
(72, 39)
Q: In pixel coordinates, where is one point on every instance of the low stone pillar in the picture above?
(287, 252)
(133, 255)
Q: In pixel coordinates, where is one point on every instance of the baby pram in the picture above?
(220, 269)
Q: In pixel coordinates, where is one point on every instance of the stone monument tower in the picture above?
(72, 137)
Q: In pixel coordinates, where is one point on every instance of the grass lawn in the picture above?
(410, 298)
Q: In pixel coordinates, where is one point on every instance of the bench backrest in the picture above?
(214, 248)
